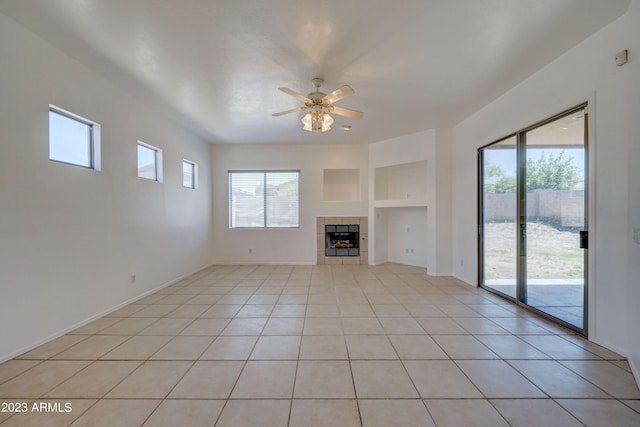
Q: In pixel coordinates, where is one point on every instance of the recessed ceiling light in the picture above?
(346, 127)
(564, 128)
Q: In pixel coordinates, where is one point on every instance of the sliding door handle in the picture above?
(584, 239)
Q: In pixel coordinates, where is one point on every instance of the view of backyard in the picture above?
(552, 253)
(555, 267)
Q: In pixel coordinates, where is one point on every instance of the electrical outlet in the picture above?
(250, 251)
(411, 250)
(406, 251)
(133, 278)
(461, 262)
(636, 235)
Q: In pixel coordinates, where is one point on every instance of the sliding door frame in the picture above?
(481, 221)
(521, 194)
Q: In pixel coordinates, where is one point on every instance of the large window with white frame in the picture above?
(189, 174)
(264, 199)
(73, 139)
(149, 162)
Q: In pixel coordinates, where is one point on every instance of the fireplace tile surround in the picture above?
(363, 259)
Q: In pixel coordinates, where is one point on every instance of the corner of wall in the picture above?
(633, 253)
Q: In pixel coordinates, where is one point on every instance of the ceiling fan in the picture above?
(319, 105)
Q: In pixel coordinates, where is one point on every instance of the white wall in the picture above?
(378, 236)
(72, 237)
(633, 251)
(283, 246)
(585, 73)
(406, 236)
(442, 175)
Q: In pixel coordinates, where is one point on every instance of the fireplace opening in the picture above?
(342, 240)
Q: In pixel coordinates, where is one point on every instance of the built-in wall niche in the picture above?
(401, 185)
(401, 235)
(341, 185)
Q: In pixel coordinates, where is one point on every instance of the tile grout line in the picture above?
(358, 284)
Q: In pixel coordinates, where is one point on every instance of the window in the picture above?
(261, 199)
(189, 174)
(73, 139)
(149, 162)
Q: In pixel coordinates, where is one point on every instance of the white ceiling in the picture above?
(216, 64)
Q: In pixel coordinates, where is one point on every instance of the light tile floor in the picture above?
(320, 346)
(564, 301)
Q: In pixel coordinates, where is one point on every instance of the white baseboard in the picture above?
(635, 370)
(466, 281)
(77, 325)
(274, 263)
(440, 274)
(607, 345)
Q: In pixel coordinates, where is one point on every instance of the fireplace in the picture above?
(342, 254)
(342, 240)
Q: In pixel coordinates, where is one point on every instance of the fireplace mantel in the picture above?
(363, 257)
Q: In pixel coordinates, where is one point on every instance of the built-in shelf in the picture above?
(407, 181)
(400, 213)
(400, 203)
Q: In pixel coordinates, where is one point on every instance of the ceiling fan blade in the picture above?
(347, 112)
(295, 94)
(339, 94)
(294, 110)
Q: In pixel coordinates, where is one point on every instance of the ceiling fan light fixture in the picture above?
(307, 121)
(317, 121)
(327, 121)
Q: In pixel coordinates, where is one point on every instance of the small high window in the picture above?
(149, 162)
(189, 174)
(73, 140)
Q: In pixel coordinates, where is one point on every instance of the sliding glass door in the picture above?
(499, 220)
(555, 217)
(532, 217)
